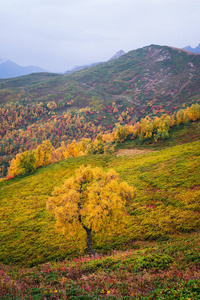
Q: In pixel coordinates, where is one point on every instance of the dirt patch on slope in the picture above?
(132, 152)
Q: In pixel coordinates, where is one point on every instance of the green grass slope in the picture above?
(26, 80)
(167, 203)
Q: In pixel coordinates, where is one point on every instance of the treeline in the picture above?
(157, 127)
(28, 161)
(147, 128)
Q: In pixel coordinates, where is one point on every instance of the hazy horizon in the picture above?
(57, 36)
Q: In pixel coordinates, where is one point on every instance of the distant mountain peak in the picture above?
(79, 68)
(117, 55)
(2, 60)
(194, 50)
(9, 69)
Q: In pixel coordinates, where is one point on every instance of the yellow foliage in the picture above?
(193, 113)
(181, 116)
(147, 127)
(76, 148)
(24, 163)
(156, 122)
(121, 132)
(43, 154)
(107, 137)
(57, 155)
(39, 156)
(11, 169)
(92, 200)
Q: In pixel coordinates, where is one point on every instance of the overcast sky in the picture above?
(59, 34)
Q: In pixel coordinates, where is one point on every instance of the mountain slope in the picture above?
(153, 80)
(153, 75)
(117, 55)
(167, 202)
(163, 75)
(9, 69)
(79, 68)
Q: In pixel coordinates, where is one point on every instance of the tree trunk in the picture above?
(89, 243)
(88, 231)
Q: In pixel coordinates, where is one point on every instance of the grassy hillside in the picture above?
(167, 202)
(156, 257)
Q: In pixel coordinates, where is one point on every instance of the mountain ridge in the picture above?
(79, 68)
(194, 50)
(117, 55)
(9, 69)
(159, 73)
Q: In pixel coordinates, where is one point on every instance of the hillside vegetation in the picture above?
(160, 74)
(151, 81)
(167, 202)
(147, 129)
(138, 119)
(151, 271)
(160, 244)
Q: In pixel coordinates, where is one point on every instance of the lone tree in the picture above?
(93, 201)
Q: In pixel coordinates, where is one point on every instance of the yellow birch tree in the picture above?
(93, 201)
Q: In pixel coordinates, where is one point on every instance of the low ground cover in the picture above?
(153, 270)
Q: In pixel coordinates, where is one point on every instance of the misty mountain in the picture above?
(9, 69)
(117, 55)
(79, 68)
(194, 50)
